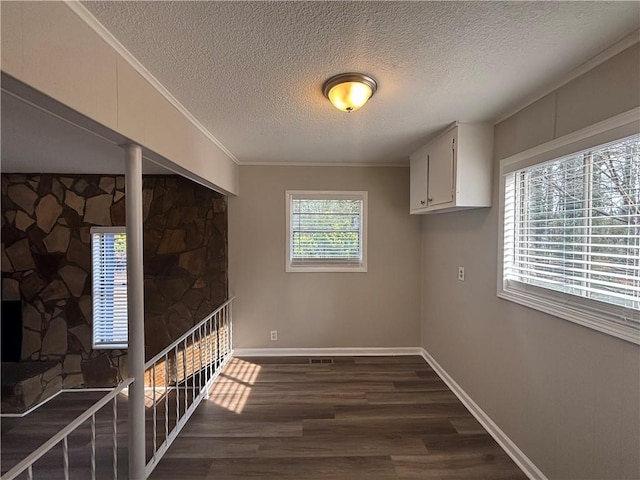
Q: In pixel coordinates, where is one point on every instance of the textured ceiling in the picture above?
(251, 72)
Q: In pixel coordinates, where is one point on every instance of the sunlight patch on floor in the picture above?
(233, 386)
(159, 393)
(149, 393)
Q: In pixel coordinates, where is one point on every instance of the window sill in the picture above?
(325, 269)
(328, 269)
(587, 318)
(111, 346)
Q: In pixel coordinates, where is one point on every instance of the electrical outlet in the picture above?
(274, 335)
(461, 274)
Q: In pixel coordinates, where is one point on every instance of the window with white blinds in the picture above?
(326, 231)
(571, 234)
(109, 262)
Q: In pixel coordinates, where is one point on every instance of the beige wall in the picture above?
(380, 308)
(568, 396)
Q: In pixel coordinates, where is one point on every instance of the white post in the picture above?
(135, 305)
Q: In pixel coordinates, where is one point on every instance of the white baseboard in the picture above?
(517, 455)
(326, 352)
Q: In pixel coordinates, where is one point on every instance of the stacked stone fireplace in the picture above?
(46, 265)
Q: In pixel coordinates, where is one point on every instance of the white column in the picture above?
(135, 305)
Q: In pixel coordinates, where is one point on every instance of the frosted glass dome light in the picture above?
(348, 92)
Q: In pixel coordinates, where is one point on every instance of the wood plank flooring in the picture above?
(358, 418)
(23, 435)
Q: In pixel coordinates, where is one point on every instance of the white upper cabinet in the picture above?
(453, 171)
(419, 178)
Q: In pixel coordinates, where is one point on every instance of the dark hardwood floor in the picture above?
(23, 435)
(284, 418)
(358, 418)
(20, 436)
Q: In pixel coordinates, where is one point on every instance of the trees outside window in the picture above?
(571, 236)
(326, 231)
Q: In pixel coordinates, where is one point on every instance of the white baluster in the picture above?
(177, 390)
(210, 350)
(186, 387)
(193, 367)
(230, 308)
(65, 457)
(217, 342)
(166, 397)
(115, 438)
(155, 414)
(93, 447)
(200, 358)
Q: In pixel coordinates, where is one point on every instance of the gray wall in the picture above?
(568, 396)
(380, 308)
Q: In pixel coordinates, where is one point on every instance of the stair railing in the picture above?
(62, 437)
(179, 377)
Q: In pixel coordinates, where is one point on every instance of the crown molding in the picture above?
(590, 64)
(87, 17)
(323, 164)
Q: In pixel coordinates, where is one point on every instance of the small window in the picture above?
(109, 259)
(571, 236)
(326, 231)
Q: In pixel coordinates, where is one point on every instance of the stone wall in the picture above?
(46, 263)
(185, 257)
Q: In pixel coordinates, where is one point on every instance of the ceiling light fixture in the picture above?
(349, 91)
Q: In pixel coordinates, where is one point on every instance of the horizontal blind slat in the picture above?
(110, 321)
(573, 224)
(328, 229)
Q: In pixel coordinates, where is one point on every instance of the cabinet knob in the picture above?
(430, 199)
(422, 202)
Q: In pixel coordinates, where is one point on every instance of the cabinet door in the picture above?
(418, 183)
(441, 170)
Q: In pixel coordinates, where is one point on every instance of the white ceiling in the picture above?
(252, 72)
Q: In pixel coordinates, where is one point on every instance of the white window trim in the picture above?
(327, 194)
(596, 315)
(103, 346)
